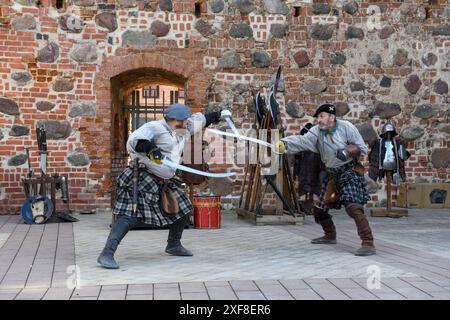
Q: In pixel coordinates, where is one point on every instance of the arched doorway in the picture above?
(118, 77)
(139, 96)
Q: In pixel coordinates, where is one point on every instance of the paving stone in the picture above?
(140, 289)
(243, 285)
(83, 298)
(87, 292)
(192, 287)
(31, 294)
(413, 293)
(344, 283)
(250, 295)
(209, 284)
(194, 296)
(294, 284)
(359, 294)
(221, 293)
(112, 295)
(139, 297)
(414, 261)
(58, 294)
(427, 286)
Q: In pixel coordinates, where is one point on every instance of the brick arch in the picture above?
(186, 65)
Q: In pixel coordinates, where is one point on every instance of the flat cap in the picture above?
(177, 111)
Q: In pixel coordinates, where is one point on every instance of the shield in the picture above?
(37, 209)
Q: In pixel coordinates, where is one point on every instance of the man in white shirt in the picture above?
(149, 144)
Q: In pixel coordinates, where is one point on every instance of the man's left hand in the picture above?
(225, 113)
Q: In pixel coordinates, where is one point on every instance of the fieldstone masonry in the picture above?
(70, 69)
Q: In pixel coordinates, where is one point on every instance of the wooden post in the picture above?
(389, 212)
(388, 190)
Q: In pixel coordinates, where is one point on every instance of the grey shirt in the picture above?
(169, 141)
(344, 133)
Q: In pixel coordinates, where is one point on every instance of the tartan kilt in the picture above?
(148, 208)
(351, 186)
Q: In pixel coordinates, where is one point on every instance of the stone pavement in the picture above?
(238, 261)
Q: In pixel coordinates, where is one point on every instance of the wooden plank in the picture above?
(269, 219)
(393, 213)
(401, 196)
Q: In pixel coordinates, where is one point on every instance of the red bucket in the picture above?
(207, 212)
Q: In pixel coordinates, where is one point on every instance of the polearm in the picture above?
(30, 170)
(135, 185)
(26, 184)
(42, 144)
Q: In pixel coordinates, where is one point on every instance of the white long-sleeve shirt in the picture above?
(169, 141)
(344, 133)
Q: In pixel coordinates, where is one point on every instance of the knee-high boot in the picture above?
(364, 231)
(119, 229)
(174, 245)
(323, 218)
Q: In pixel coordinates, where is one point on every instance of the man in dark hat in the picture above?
(150, 144)
(340, 145)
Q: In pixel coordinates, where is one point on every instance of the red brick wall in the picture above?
(189, 53)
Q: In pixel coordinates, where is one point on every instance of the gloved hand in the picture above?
(225, 113)
(154, 153)
(280, 147)
(213, 117)
(350, 151)
(342, 154)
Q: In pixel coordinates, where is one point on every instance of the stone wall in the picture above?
(62, 66)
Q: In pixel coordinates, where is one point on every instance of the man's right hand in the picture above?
(280, 147)
(155, 155)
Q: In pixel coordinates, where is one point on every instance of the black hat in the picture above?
(326, 107)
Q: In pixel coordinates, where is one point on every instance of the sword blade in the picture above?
(177, 166)
(239, 136)
(231, 125)
(43, 163)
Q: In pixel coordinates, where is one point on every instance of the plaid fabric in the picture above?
(148, 199)
(352, 187)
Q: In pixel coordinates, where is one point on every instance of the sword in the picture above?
(177, 166)
(30, 170)
(42, 144)
(239, 136)
(231, 125)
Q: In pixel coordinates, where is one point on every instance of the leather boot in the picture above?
(174, 246)
(119, 229)
(330, 233)
(367, 249)
(364, 230)
(322, 217)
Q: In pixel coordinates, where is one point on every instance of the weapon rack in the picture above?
(254, 188)
(43, 185)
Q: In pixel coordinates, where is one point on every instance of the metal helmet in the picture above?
(388, 127)
(37, 209)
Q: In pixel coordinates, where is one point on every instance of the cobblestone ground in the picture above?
(238, 261)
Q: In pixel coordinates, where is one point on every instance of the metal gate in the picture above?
(150, 108)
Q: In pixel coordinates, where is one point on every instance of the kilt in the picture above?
(148, 199)
(351, 186)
